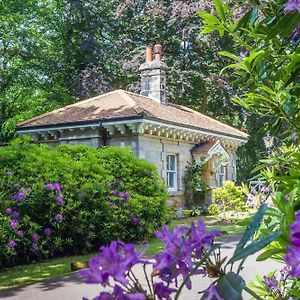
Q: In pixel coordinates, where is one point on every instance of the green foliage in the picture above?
(194, 182)
(214, 209)
(229, 197)
(107, 192)
(266, 73)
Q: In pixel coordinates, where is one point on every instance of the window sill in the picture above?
(175, 193)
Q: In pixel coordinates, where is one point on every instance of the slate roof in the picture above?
(120, 104)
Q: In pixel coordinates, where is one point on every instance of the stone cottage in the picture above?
(163, 133)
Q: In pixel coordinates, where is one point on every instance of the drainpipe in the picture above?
(103, 133)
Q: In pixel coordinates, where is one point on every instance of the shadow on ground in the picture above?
(44, 286)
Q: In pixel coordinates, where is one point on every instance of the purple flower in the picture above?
(271, 283)
(34, 246)
(292, 5)
(48, 186)
(47, 231)
(28, 189)
(119, 179)
(59, 218)
(57, 188)
(14, 224)
(8, 210)
(126, 196)
(19, 196)
(135, 220)
(292, 258)
(20, 233)
(172, 263)
(212, 294)
(119, 295)
(113, 261)
(287, 197)
(265, 190)
(295, 38)
(35, 236)
(11, 244)
(9, 174)
(15, 215)
(59, 199)
(162, 291)
(110, 203)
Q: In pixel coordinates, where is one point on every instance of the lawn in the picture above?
(26, 274)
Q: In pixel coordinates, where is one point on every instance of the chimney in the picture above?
(153, 76)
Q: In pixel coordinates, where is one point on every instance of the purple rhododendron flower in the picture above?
(59, 218)
(28, 189)
(292, 258)
(20, 233)
(11, 244)
(162, 291)
(57, 188)
(212, 294)
(15, 215)
(110, 203)
(19, 196)
(8, 210)
(119, 295)
(172, 263)
(292, 5)
(47, 231)
(34, 246)
(126, 196)
(287, 197)
(14, 224)
(9, 173)
(135, 220)
(48, 186)
(113, 261)
(59, 199)
(35, 236)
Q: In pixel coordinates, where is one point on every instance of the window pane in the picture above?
(172, 164)
(171, 179)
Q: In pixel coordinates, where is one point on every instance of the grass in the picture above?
(26, 274)
(31, 273)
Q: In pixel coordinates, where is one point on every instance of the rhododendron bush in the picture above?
(71, 199)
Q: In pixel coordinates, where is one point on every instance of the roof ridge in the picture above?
(129, 100)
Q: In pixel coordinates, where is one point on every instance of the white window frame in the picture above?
(222, 172)
(174, 172)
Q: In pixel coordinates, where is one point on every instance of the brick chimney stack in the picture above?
(153, 76)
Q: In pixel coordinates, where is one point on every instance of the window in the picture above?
(221, 175)
(172, 172)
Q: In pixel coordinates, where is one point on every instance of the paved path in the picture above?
(71, 287)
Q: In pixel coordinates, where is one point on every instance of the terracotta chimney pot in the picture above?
(148, 54)
(158, 51)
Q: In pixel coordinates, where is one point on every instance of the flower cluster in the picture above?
(56, 187)
(184, 248)
(16, 223)
(292, 258)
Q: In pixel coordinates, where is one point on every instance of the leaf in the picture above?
(254, 15)
(268, 253)
(255, 246)
(230, 55)
(220, 9)
(252, 227)
(230, 286)
(290, 108)
(208, 18)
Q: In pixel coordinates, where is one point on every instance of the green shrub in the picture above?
(107, 193)
(214, 209)
(229, 197)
